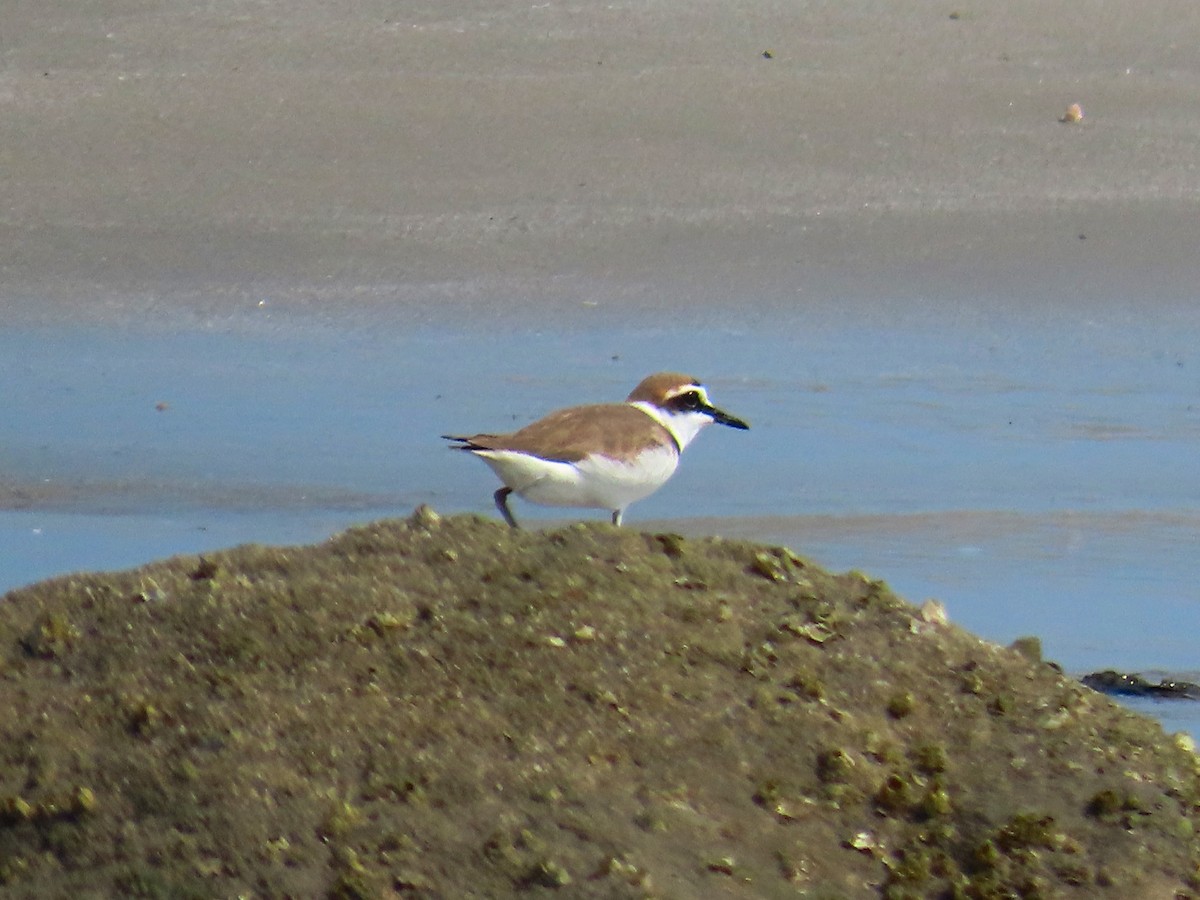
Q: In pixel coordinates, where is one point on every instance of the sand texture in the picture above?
(420, 160)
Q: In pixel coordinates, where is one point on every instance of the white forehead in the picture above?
(689, 388)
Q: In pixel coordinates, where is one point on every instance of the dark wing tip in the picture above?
(462, 442)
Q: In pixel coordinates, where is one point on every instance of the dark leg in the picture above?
(502, 505)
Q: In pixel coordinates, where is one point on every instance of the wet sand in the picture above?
(179, 166)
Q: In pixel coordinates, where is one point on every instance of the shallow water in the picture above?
(1036, 474)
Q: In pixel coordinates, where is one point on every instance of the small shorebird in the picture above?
(604, 455)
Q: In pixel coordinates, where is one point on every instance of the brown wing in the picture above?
(569, 435)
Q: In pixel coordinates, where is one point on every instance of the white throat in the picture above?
(684, 426)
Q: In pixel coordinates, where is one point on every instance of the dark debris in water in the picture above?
(442, 708)
(1124, 684)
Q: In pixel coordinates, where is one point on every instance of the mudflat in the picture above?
(503, 161)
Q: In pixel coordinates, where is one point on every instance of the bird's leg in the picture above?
(617, 517)
(502, 505)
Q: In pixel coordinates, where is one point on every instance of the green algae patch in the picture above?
(450, 708)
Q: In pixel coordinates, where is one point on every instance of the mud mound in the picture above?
(447, 708)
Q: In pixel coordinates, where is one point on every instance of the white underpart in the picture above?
(595, 481)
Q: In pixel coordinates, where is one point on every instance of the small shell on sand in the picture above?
(1073, 114)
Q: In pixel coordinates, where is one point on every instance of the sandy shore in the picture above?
(503, 158)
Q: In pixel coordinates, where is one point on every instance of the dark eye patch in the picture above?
(689, 401)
